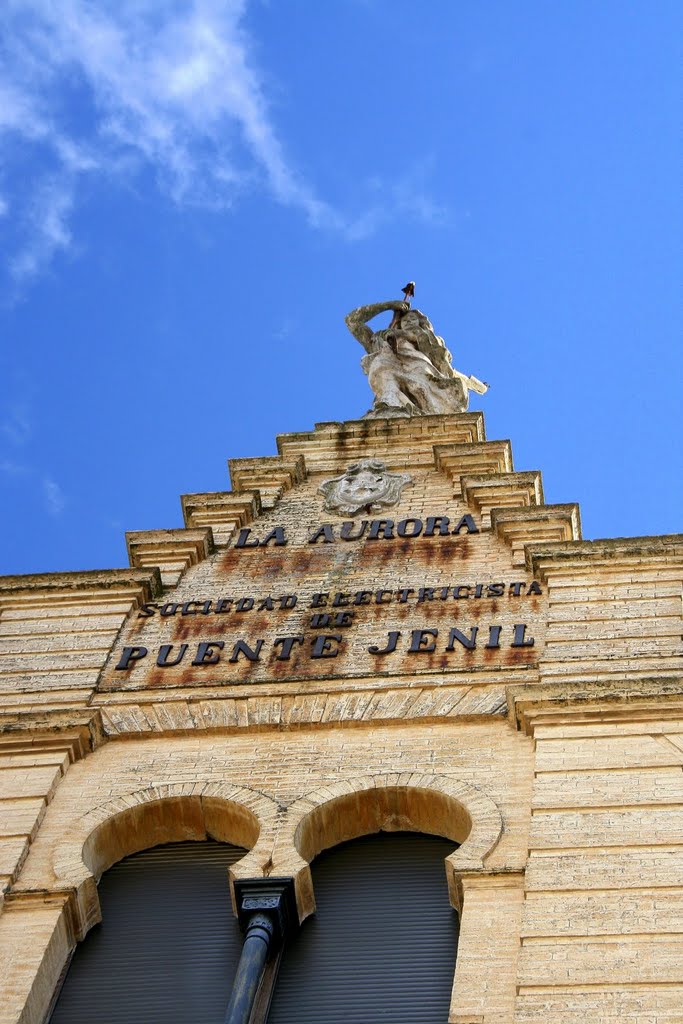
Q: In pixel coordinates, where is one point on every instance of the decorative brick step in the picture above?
(483, 458)
(271, 476)
(224, 511)
(502, 490)
(173, 551)
(538, 524)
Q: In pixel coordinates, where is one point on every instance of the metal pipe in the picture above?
(257, 941)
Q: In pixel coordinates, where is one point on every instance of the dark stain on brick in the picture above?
(379, 552)
(188, 626)
(274, 565)
(518, 656)
(258, 625)
(280, 668)
(429, 550)
(302, 562)
(231, 559)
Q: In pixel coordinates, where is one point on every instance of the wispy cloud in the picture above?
(14, 469)
(43, 487)
(47, 222)
(168, 86)
(18, 469)
(406, 197)
(16, 425)
(55, 500)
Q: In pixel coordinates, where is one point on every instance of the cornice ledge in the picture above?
(58, 897)
(402, 441)
(63, 900)
(80, 731)
(558, 703)
(149, 580)
(541, 557)
(381, 426)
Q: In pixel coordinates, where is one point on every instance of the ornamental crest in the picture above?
(364, 486)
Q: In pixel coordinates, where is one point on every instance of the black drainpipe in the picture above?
(266, 910)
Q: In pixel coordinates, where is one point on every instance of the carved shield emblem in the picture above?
(364, 486)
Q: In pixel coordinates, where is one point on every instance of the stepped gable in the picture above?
(473, 476)
(454, 472)
(481, 472)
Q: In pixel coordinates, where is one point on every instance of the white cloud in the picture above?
(54, 497)
(171, 86)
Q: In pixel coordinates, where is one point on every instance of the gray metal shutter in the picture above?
(382, 944)
(168, 945)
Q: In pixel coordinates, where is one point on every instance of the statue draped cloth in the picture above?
(408, 366)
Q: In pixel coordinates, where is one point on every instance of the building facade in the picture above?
(382, 629)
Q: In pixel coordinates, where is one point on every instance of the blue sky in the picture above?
(193, 194)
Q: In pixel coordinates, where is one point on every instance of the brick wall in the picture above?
(571, 905)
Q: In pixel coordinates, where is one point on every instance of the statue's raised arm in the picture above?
(408, 366)
(357, 319)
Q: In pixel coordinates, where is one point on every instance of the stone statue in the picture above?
(408, 365)
(365, 485)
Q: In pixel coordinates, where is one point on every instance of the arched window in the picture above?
(382, 944)
(168, 945)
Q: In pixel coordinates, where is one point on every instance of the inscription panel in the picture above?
(428, 590)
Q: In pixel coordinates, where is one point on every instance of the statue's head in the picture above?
(420, 326)
(415, 320)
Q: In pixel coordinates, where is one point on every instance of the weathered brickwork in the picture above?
(409, 695)
(602, 928)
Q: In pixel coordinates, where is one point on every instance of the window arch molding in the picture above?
(280, 841)
(160, 814)
(433, 804)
